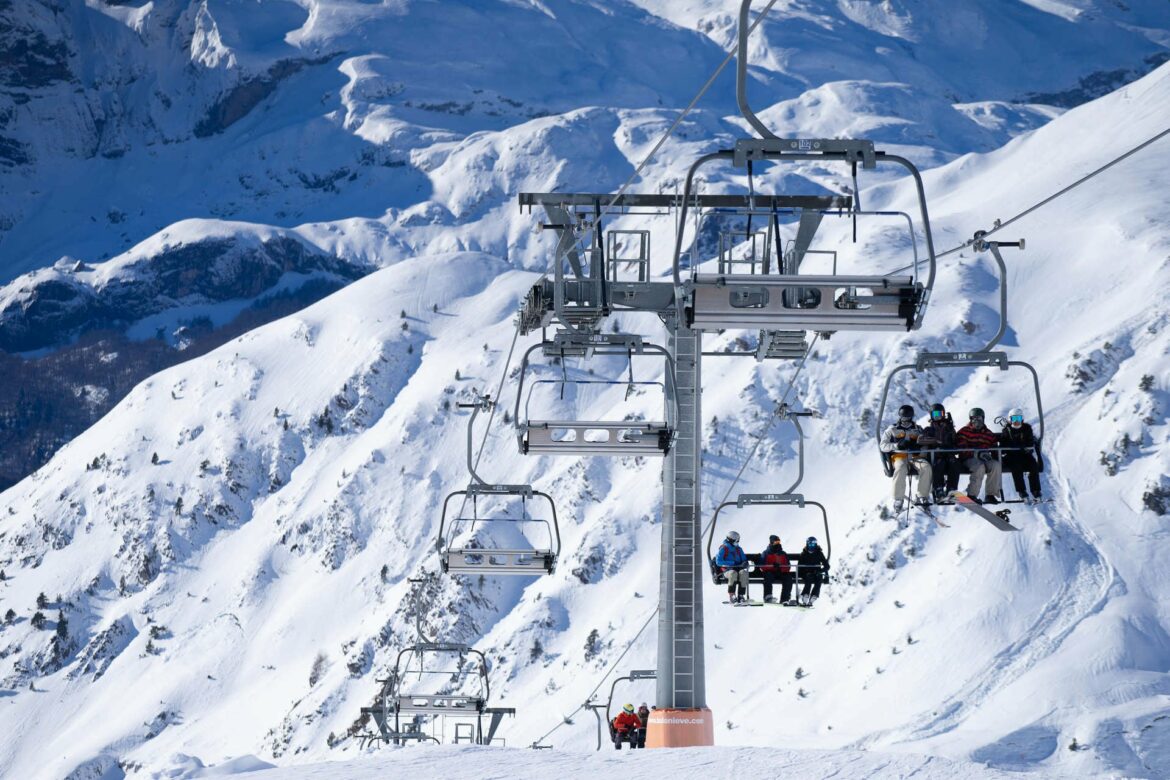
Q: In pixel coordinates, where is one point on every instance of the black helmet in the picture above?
(905, 412)
(976, 414)
(937, 411)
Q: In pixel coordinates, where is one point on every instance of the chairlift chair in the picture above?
(762, 499)
(466, 557)
(987, 356)
(607, 705)
(594, 437)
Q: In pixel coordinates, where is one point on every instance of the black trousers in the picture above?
(947, 468)
(812, 584)
(1018, 463)
(785, 580)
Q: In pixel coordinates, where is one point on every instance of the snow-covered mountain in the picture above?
(241, 592)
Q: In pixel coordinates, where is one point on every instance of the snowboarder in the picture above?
(734, 564)
(625, 727)
(901, 440)
(644, 716)
(939, 434)
(814, 568)
(1018, 435)
(979, 455)
(776, 567)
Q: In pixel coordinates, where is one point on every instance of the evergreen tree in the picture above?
(42, 600)
(62, 626)
(154, 459)
(10, 616)
(38, 620)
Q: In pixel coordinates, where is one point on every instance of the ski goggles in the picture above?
(1016, 418)
(936, 414)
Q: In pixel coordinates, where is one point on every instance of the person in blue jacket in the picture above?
(732, 561)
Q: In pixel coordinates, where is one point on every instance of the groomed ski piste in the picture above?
(232, 605)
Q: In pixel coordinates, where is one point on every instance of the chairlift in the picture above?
(984, 357)
(755, 574)
(787, 299)
(460, 551)
(607, 705)
(787, 498)
(595, 437)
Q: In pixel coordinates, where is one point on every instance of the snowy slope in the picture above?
(457, 763)
(254, 616)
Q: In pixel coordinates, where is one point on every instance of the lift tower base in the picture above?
(672, 728)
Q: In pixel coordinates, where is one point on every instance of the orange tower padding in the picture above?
(681, 728)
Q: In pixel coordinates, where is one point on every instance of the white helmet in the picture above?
(1016, 417)
(733, 536)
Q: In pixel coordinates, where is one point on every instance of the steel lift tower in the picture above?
(757, 284)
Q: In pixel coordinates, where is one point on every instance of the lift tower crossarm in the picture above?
(699, 201)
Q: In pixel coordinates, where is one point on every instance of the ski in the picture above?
(998, 519)
(927, 511)
(745, 603)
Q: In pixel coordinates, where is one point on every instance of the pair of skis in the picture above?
(754, 603)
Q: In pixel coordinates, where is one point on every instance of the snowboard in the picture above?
(998, 519)
(751, 603)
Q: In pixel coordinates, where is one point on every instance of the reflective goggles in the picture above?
(936, 414)
(1016, 418)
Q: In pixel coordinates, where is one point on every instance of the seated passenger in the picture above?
(625, 727)
(644, 716)
(814, 569)
(939, 434)
(901, 440)
(1018, 435)
(732, 562)
(980, 457)
(775, 567)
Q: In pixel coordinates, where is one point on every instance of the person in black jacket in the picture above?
(939, 434)
(813, 567)
(1018, 434)
(776, 567)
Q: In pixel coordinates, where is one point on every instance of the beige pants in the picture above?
(992, 470)
(737, 577)
(902, 473)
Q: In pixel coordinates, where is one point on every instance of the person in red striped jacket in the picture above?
(980, 457)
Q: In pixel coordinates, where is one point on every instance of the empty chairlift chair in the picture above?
(559, 436)
(492, 508)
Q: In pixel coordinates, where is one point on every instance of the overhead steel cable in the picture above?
(1000, 225)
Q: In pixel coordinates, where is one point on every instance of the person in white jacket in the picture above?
(901, 441)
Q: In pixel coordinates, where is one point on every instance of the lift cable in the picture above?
(759, 438)
(1000, 225)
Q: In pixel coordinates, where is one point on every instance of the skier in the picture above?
(813, 567)
(1018, 435)
(901, 439)
(939, 434)
(734, 564)
(625, 727)
(776, 567)
(644, 716)
(979, 455)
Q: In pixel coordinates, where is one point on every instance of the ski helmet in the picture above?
(1016, 417)
(773, 538)
(628, 707)
(976, 414)
(905, 412)
(811, 542)
(733, 536)
(937, 411)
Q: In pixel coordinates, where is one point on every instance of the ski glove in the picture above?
(986, 457)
